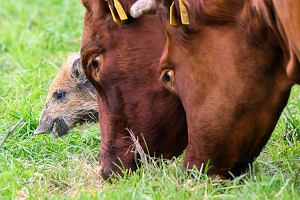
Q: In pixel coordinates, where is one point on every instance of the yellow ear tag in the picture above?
(120, 10)
(183, 13)
(173, 21)
(113, 14)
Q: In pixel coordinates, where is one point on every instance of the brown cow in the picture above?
(232, 63)
(117, 60)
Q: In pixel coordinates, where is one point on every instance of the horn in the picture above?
(141, 7)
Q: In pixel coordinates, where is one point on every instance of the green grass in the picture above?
(35, 37)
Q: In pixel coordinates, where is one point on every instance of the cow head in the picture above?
(117, 60)
(231, 64)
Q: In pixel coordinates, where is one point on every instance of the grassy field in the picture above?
(35, 37)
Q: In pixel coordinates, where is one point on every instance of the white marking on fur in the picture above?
(142, 6)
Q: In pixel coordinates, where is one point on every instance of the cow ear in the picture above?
(104, 9)
(288, 14)
(293, 68)
(96, 9)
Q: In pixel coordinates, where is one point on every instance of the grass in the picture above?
(35, 37)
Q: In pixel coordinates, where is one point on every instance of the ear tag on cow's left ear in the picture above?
(120, 10)
(173, 21)
(184, 13)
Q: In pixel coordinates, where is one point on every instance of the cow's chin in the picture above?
(112, 166)
(229, 128)
(110, 170)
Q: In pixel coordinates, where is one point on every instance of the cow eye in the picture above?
(96, 62)
(59, 94)
(168, 76)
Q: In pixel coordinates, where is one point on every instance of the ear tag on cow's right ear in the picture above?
(120, 10)
(184, 13)
(173, 21)
(113, 14)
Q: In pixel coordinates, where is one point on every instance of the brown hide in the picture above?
(122, 63)
(233, 68)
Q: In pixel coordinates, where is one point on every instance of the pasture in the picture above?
(35, 38)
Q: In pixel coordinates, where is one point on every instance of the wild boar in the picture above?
(71, 100)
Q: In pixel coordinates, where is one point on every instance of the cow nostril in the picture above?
(95, 62)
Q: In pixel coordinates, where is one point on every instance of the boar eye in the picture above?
(59, 94)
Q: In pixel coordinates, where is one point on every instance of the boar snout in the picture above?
(45, 125)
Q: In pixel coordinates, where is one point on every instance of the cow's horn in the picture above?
(142, 6)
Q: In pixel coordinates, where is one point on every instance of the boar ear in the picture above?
(76, 68)
(77, 72)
